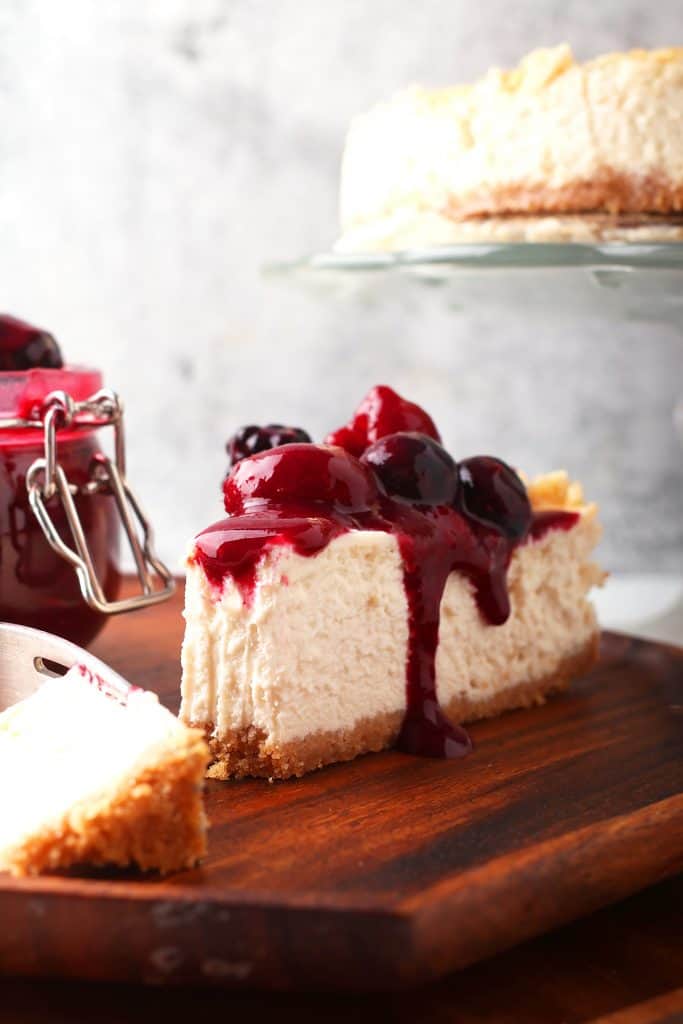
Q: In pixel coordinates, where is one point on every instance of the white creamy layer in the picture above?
(545, 125)
(69, 743)
(324, 642)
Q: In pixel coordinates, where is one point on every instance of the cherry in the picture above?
(413, 467)
(381, 412)
(298, 474)
(252, 439)
(491, 493)
(24, 347)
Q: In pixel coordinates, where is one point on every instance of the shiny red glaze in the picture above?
(37, 587)
(549, 519)
(301, 473)
(381, 412)
(234, 547)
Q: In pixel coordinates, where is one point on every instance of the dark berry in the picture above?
(24, 347)
(382, 412)
(491, 493)
(413, 467)
(252, 439)
(301, 474)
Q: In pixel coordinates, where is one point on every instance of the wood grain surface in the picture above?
(622, 963)
(388, 871)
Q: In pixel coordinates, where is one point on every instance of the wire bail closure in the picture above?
(46, 479)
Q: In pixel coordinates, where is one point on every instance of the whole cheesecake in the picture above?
(552, 150)
(371, 592)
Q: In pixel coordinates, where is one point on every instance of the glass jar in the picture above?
(60, 524)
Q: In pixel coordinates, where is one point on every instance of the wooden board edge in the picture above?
(478, 914)
(296, 947)
(666, 1008)
(201, 943)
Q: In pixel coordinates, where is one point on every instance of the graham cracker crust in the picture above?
(607, 191)
(246, 752)
(154, 819)
(567, 227)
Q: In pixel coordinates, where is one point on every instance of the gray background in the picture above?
(154, 155)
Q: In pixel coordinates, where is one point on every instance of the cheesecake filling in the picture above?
(385, 472)
(72, 740)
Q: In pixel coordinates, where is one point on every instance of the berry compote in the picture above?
(37, 587)
(386, 470)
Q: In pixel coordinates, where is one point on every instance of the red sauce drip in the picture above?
(433, 543)
(234, 547)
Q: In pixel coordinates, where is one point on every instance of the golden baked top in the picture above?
(538, 69)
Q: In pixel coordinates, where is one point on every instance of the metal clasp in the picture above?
(46, 479)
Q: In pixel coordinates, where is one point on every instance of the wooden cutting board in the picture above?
(388, 871)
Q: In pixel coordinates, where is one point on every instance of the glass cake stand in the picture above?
(618, 281)
(637, 281)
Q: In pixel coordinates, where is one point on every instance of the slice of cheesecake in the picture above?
(551, 151)
(92, 776)
(375, 594)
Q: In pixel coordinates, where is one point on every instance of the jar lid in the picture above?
(22, 393)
